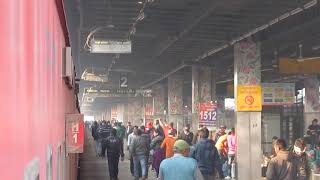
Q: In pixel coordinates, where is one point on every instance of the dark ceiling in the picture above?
(166, 32)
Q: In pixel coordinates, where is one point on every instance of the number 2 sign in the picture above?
(123, 81)
(208, 114)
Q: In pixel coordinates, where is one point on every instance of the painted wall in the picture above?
(34, 98)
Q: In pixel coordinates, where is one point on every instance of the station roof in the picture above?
(164, 33)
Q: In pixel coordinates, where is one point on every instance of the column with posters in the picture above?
(158, 92)
(74, 133)
(135, 110)
(148, 109)
(175, 99)
(247, 81)
(312, 102)
(114, 112)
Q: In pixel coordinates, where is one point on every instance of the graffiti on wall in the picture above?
(248, 62)
(205, 84)
(312, 94)
(175, 94)
(195, 92)
(134, 110)
(159, 103)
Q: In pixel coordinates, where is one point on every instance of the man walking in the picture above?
(168, 143)
(114, 146)
(129, 129)
(104, 131)
(282, 166)
(139, 149)
(130, 138)
(94, 133)
(180, 166)
(207, 156)
(186, 135)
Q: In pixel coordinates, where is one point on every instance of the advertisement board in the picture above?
(249, 98)
(278, 93)
(74, 133)
(208, 114)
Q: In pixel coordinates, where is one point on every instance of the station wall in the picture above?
(34, 97)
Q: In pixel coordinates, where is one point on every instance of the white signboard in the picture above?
(278, 93)
(114, 47)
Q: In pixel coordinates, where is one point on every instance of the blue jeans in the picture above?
(98, 147)
(140, 160)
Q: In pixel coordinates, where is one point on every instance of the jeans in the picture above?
(231, 158)
(208, 177)
(113, 164)
(98, 146)
(140, 161)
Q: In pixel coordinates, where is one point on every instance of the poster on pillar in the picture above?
(208, 114)
(249, 98)
(312, 101)
(175, 94)
(74, 133)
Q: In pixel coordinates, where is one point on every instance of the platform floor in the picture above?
(96, 168)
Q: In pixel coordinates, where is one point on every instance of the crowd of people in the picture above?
(297, 162)
(157, 145)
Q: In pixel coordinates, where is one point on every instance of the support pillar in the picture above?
(247, 64)
(203, 90)
(175, 99)
(158, 92)
(148, 109)
(312, 105)
(135, 110)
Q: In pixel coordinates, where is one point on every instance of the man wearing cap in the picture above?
(180, 166)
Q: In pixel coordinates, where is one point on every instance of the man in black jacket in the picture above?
(114, 147)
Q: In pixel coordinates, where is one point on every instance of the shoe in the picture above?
(228, 177)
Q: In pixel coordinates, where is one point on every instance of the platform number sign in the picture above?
(75, 133)
(208, 114)
(123, 81)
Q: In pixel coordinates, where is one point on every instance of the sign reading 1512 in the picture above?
(208, 115)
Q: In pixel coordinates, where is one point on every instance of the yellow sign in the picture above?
(302, 66)
(249, 98)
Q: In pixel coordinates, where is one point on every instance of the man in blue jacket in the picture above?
(206, 155)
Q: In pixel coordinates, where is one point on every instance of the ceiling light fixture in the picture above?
(140, 2)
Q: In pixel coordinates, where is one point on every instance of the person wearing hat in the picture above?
(168, 143)
(180, 166)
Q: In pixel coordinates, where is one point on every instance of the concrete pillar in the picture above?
(175, 99)
(247, 63)
(125, 113)
(158, 92)
(203, 89)
(120, 112)
(148, 109)
(312, 105)
(135, 110)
